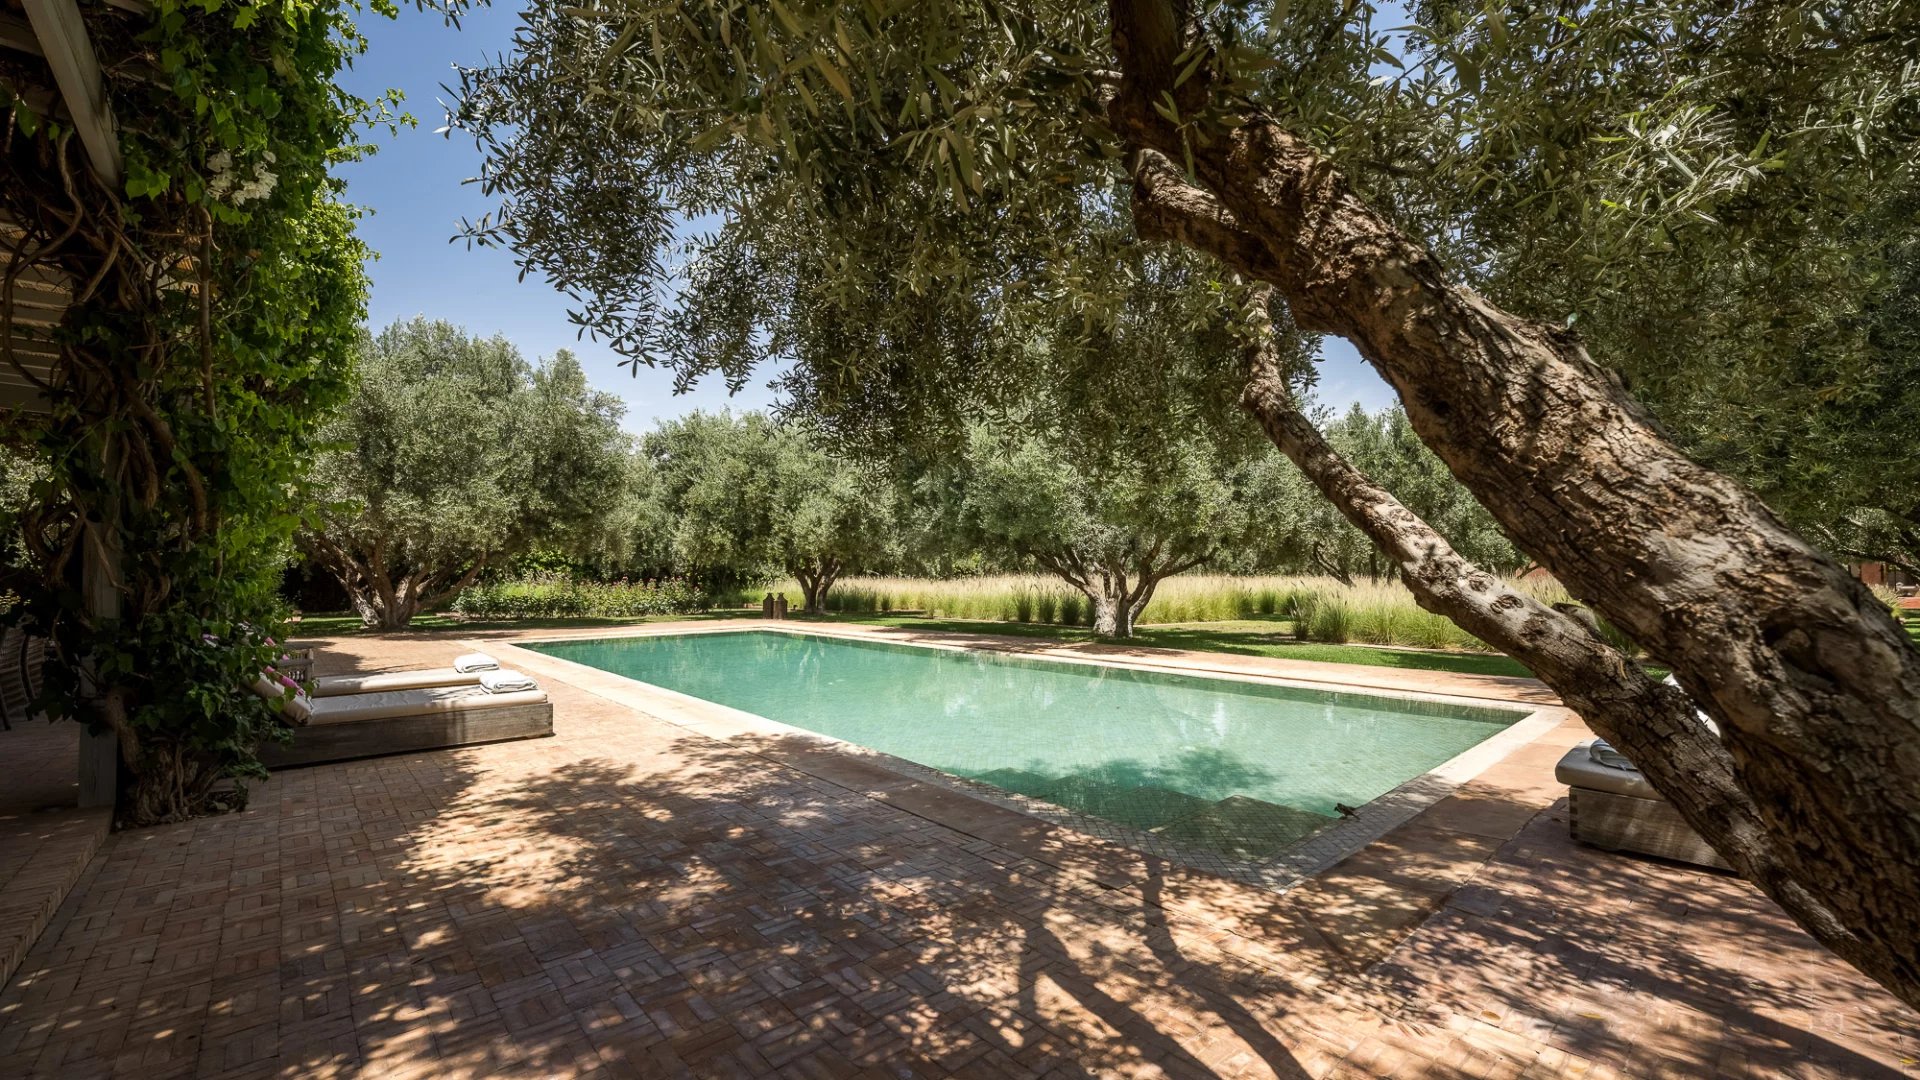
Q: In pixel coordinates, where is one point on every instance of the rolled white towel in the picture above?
(506, 682)
(475, 661)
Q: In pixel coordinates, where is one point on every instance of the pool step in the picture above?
(1244, 828)
(1141, 806)
(1237, 827)
(1017, 780)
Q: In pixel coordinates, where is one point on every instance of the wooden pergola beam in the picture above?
(76, 71)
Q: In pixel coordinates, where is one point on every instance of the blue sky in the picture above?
(414, 187)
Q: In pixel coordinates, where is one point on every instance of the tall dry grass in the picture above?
(1319, 608)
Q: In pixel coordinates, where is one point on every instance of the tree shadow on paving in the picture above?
(678, 906)
(693, 909)
(1649, 966)
(695, 915)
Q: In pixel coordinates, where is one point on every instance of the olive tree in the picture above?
(926, 166)
(454, 454)
(1113, 530)
(746, 496)
(834, 516)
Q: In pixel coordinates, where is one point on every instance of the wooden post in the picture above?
(99, 753)
(62, 34)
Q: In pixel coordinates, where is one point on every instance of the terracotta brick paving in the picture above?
(632, 899)
(46, 839)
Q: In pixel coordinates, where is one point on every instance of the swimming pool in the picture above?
(1241, 768)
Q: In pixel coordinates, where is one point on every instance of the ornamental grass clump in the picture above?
(1319, 609)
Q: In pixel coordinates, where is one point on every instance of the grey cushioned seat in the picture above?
(1618, 810)
(1578, 769)
(401, 721)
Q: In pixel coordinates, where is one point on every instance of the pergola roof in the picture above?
(40, 298)
(54, 31)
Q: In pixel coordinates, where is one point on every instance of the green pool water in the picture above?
(1241, 768)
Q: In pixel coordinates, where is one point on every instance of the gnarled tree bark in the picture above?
(380, 598)
(816, 578)
(1650, 722)
(1118, 589)
(1815, 687)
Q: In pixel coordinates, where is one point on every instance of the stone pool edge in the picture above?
(798, 747)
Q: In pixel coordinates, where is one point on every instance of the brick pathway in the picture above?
(46, 839)
(632, 899)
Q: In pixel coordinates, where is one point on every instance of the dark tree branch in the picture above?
(1815, 686)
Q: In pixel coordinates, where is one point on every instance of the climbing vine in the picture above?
(216, 293)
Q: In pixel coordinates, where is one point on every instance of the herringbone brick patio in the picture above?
(631, 899)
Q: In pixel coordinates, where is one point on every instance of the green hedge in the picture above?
(561, 598)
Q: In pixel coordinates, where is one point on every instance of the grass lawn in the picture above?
(1247, 637)
(338, 623)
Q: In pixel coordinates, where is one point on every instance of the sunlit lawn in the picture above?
(1244, 637)
(336, 623)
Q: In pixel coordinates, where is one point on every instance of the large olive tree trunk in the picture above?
(387, 597)
(1114, 612)
(816, 577)
(1119, 587)
(1813, 790)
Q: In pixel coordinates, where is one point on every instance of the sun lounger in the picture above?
(1612, 806)
(296, 662)
(346, 726)
(327, 686)
(467, 670)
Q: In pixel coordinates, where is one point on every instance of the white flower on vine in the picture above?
(257, 188)
(224, 181)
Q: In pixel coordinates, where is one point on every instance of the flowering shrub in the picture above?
(563, 598)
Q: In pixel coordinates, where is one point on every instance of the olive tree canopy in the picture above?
(905, 176)
(454, 454)
(744, 496)
(1113, 530)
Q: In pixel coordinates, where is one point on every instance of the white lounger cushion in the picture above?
(424, 702)
(475, 661)
(292, 702)
(336, 685)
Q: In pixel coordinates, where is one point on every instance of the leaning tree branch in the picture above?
(1651, 723)
(1816, 687)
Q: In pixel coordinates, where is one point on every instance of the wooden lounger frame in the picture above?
(1645, 826)
(317, 743)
